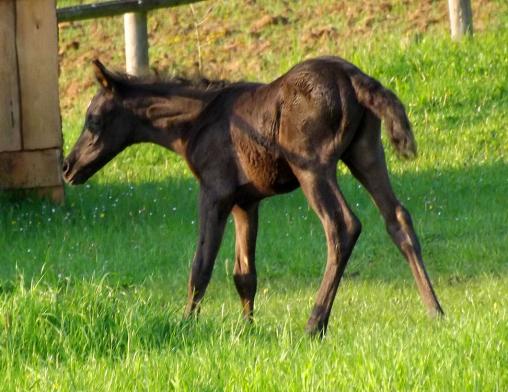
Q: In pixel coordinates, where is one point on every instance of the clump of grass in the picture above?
(57, 319)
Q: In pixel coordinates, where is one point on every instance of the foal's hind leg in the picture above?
(365, 158)
(244, 274)
(341, 228)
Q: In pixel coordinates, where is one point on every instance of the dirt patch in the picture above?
(234, 40)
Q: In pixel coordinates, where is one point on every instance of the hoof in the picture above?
(249, 319)
(436, 313)
(191, 312)
(315, 328)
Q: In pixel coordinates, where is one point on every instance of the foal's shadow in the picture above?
(460, 216)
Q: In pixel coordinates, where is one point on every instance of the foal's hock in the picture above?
(248, 141)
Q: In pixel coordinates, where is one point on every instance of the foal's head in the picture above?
(124, 109)
(108, 129)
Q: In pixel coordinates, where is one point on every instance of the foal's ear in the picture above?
(103, 76)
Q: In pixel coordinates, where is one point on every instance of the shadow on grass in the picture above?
(134, 232)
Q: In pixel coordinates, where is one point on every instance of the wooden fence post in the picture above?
(461, 18)
(30, 129)
(135, 24)
(10, 122)
(136, 43)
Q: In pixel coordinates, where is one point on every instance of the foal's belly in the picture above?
(268, 175)
(261, 166)
(285, 180)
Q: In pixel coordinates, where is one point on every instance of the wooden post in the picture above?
(30, 129)
(10, 127)
(37, 49)
(135, 25)
(136, 43)
(461, 18)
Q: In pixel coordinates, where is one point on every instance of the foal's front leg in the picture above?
(213, 214)
(244, 274)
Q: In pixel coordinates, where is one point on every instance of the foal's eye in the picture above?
(94, 124)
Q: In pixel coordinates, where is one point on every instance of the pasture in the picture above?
(92, 292)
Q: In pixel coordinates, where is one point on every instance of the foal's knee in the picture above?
(352, 230)
(199, 279)
(350, 234)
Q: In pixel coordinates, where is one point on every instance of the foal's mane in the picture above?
(157, 84)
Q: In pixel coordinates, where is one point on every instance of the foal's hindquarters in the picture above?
(364, 156)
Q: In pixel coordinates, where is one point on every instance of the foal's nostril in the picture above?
(65, 167)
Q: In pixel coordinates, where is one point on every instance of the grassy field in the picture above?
(92, 292)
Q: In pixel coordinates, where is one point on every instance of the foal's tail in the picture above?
(385, 105)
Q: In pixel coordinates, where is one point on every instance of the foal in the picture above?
(248, 141)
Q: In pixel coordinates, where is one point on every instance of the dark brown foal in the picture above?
(248, 141)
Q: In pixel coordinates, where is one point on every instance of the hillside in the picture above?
(257, 39)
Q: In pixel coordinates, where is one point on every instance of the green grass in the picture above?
(92, 292)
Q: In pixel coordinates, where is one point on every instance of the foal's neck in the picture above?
(167, 119)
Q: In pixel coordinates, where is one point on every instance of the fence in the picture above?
(135, 24)
(30, 128)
